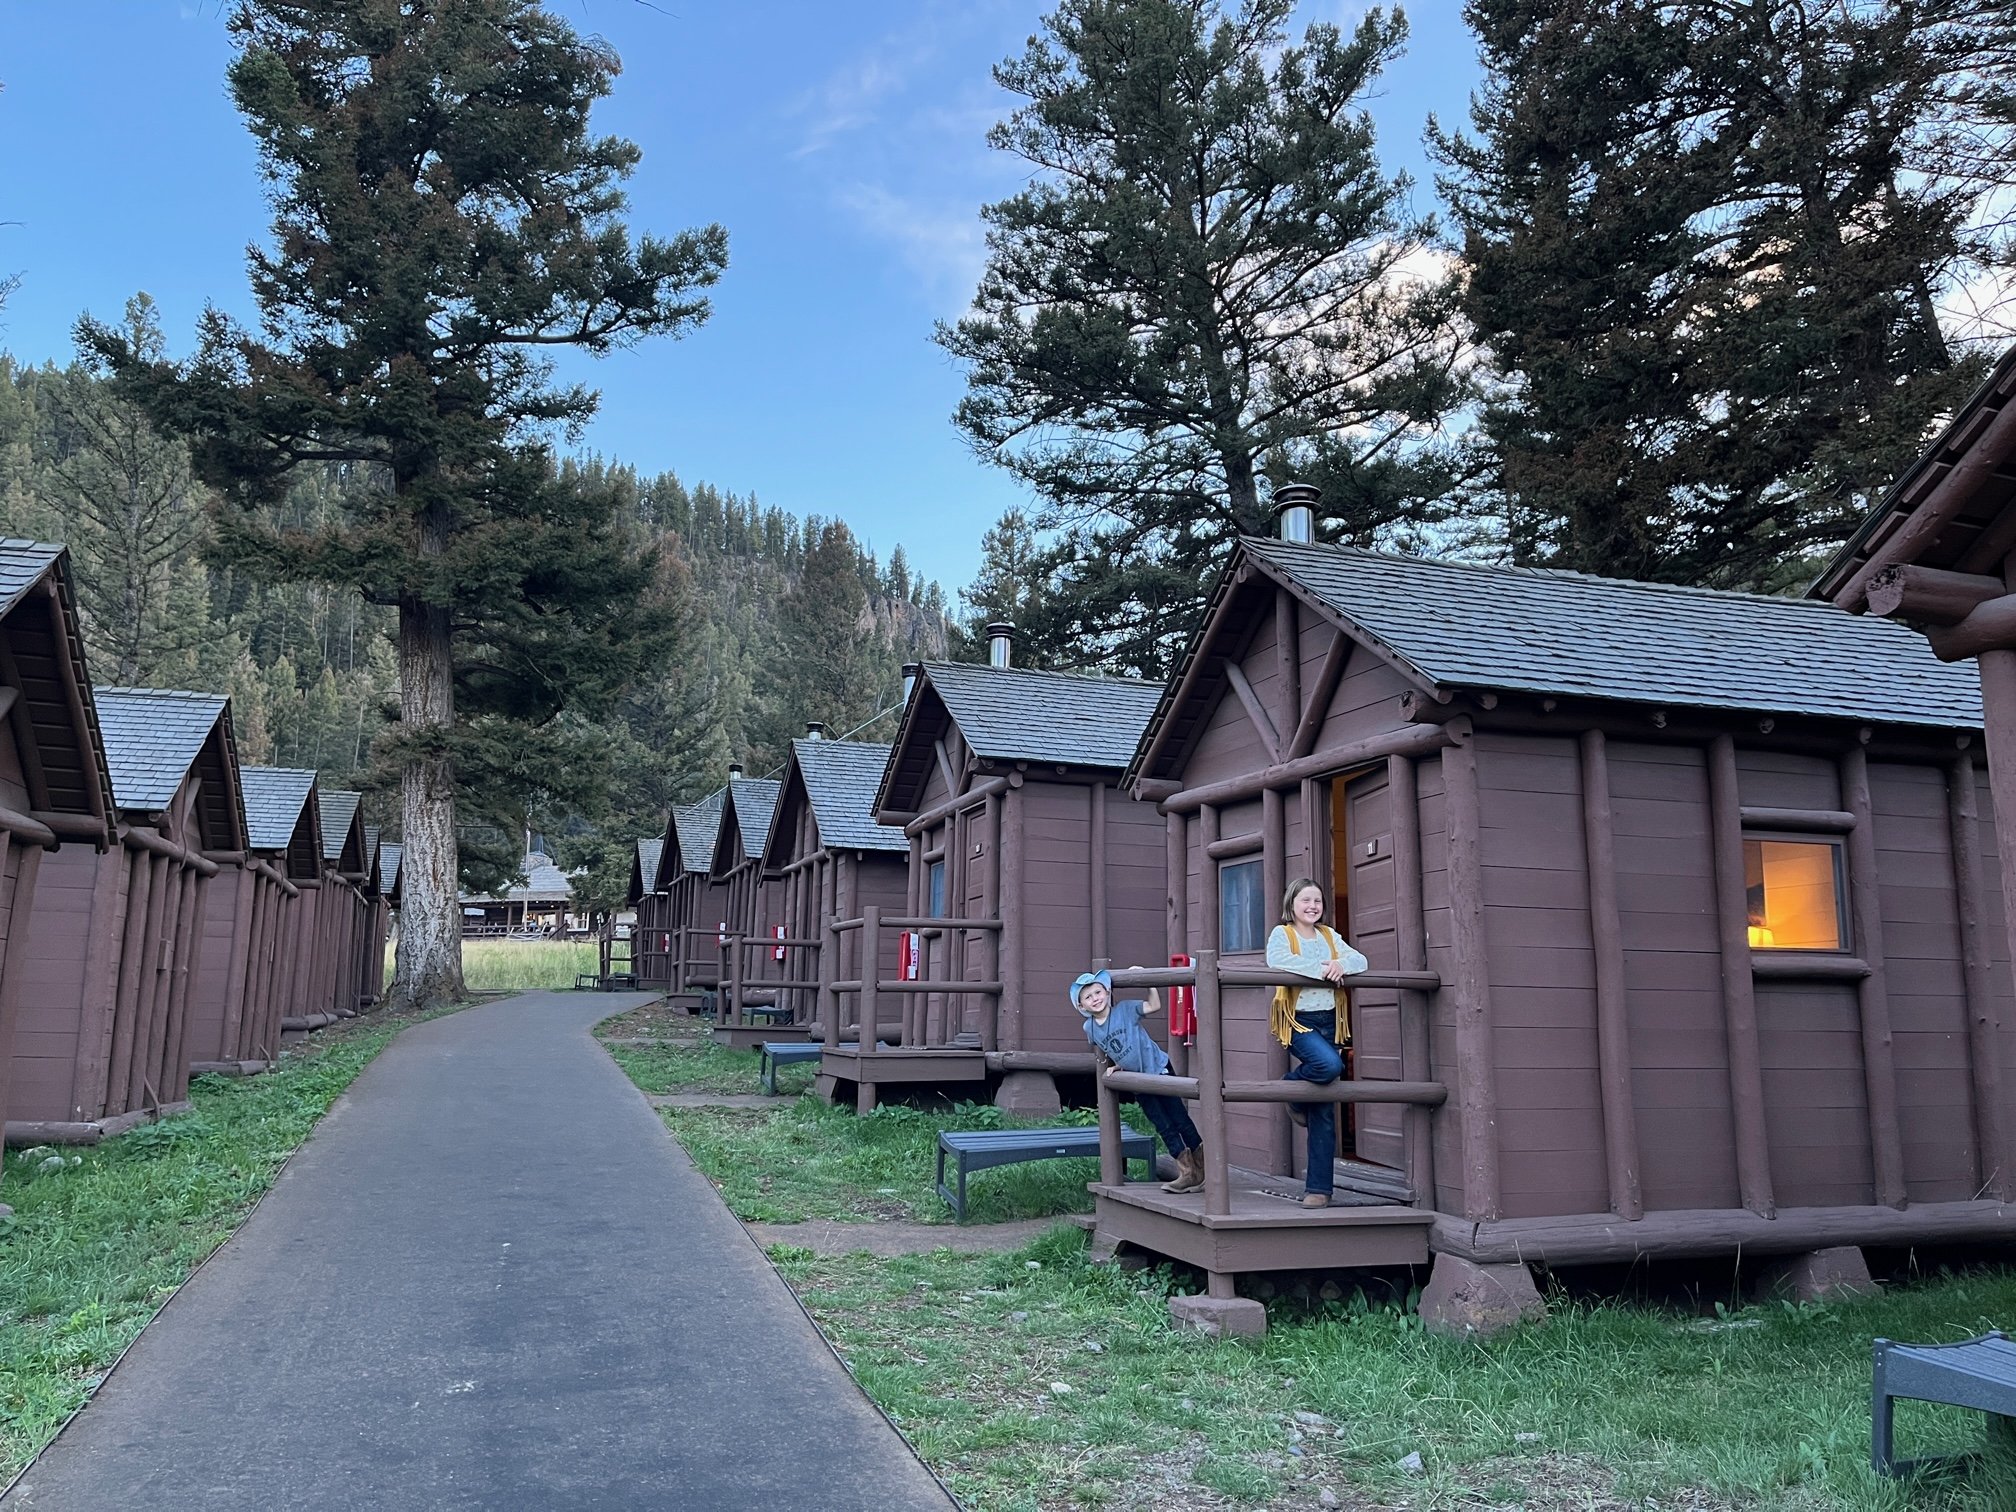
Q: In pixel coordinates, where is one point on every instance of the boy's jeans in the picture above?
(1319, 1061)
(1171, 1120)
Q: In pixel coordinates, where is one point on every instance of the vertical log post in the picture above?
(1879, 1063)
(1006, 1019)
(1410, 934)
(828, 999)
(1613, 1022)
(1273, 882)
(1476, 1071)
(1211, 1087)
(1739, 996)
(176, 1073)
(14, 964)
(738, 953)
(1112, 1159)
(104, 964)
(245, 883)
(956, 848)
(1177, 903)
(991, 942)
(1097, 869)
(871, 1001)
(1984, 1027)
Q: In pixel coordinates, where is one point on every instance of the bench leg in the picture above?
(769, 1082)
(1882, 1447)
(960, 1207)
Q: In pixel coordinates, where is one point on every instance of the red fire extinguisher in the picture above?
(1182, 1007)
(906, 955)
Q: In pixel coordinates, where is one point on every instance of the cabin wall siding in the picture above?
(1542, 967)
(218, 927)
(62, 935)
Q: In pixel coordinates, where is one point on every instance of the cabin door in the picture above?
(1362, 820)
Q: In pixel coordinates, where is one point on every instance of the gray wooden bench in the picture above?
(777, 1053)
(984, 1149)
(1978, 1373)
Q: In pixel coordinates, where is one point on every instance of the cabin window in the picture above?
(937, 876)
(1242, 910)
(1793, 888)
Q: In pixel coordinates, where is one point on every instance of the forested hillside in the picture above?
(784, 620)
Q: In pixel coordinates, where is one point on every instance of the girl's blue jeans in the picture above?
(1320, 1061)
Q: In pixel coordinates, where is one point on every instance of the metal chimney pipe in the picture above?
(1000, 644)
(1295, 511)
(911, 672)
(814, 730)
(734, 771)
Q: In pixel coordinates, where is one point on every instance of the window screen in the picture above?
(937, 875)
(1242, 911)
(1793, 890)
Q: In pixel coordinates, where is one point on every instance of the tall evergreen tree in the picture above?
(443, 215)
(1706, 247)
(1015, 585)
(832, 672)
(1208, 281)
(132, 513)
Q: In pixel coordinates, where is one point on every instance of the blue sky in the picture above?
(841, 145)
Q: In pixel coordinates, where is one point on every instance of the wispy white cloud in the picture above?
(942, 243)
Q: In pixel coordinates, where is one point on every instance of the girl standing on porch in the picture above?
(1313, 1021)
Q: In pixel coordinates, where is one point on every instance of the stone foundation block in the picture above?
(1472, 1300)
(1029, 1094)
(1823, 1275)
(1219, 1317)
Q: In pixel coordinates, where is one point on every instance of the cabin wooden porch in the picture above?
(1264, 1227)
(897, 1065)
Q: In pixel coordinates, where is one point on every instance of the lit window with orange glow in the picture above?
(1793, 889)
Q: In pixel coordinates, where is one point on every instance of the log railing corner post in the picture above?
(870, 999)
(1209, 1064)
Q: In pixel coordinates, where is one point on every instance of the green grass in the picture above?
(1764, 1407)
(95, 1247)
(802, 1160)
(526, 965)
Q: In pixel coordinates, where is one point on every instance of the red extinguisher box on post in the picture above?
(1182, 1007)
(906, 956)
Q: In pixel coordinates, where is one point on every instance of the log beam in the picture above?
(1255, 711)
(1991, 626)
(1929, 595)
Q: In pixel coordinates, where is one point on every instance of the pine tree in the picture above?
(1207, 283)
(442, 216)
(131, 513)
(1706, 248)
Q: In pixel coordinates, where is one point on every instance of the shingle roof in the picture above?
(697, 826)
(841, 779)
(388, 868)
(1463, 624)
(338, 809)
(22, 563)
(544, 883)
(1011, 714)
(755, 800)
(649, 850)
(273, 800)
(152, 737)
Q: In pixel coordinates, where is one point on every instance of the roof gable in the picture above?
(154, 737)
(838, 779)
(63, 751)
(693, 829)
(388, 869)
(1468, 625)
(276, 804)
(746, 809)
(644, 867)
(342, 830)
(1012, 714)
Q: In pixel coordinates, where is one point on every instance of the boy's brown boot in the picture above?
(1189, 1172)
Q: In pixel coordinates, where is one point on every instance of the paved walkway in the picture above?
(490, 1280)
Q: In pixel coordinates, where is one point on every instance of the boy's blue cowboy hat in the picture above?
(1086, 979)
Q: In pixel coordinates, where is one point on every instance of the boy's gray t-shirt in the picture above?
(1123, 1041)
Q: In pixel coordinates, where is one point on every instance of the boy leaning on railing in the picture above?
(1116, 1032)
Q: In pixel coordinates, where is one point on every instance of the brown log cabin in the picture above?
(329, 977)
(1682, 906)
(749, 896)
(651, 933)
(115, 939)
(693, 910)
(55, 791)
(1004, 781)
(831, 859)
(250, 926)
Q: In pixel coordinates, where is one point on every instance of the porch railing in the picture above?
(1209, 1088)
(914, 997)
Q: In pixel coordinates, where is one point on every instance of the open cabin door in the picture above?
(1362, 840)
